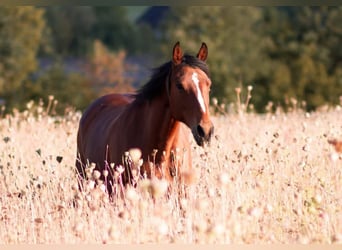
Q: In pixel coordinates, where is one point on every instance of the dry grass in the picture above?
(270, 178)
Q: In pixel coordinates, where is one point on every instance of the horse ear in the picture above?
(177, 54)
(203, 52)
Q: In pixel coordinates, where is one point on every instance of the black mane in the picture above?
(156, 85)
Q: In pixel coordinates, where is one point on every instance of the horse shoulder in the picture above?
(98, 117)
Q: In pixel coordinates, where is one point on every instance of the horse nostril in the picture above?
(200, 131)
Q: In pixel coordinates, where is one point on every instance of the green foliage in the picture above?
(113, 28)
(74, 29)
(70, 28)
(305, 52)
(284, 52)
(20, 37)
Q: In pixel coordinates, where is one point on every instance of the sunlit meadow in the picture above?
(271, 178)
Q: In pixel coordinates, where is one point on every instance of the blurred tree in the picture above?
(70, 28)
(305, 52)
(282, 51)
(113, 28)
(108, 70)
(69, 89)
(20, 37)
(74, 29)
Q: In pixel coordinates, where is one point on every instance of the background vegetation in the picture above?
(283, 52)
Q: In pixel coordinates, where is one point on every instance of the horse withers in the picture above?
(158, 119)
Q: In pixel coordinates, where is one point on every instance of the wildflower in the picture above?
(215, 101)
(96, 174)
(123, 215)
(102, 187)
(74, 187)
(135, 154)
(114, 233)
(223, 179)
(317, 199)
(337, 238)
(158, 187)
(91, 184)
(215, 230)
(334, 156)
(306, 148)
(184, 203)
(304, 240)
(269, 208)
(78, 227)
(201, 205)
(131, 194)
(29, 105)
(163, 228)
(112, 165)
(254, 212)
(120, 169)
(105, 173)
(200, 225)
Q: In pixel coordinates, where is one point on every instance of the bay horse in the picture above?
(157, 119)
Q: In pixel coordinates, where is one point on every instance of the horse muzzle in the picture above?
(203, 133)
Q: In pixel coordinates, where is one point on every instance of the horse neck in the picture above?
(164, 129)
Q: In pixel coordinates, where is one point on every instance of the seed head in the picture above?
(317, 199)
(114, 233)
(123, 215)
(38, 220)
(200, 225)
(91, 184)
(337, 238)
(334, 156)
(163, 228)
(223, 179)
(215, 101)
(201, 205)
(135, 154)
(158, 187)
(120, 169)
(78, 227)
(96, 174)
(131, 194)
(254, 212)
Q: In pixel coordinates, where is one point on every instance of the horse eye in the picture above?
(179, 86)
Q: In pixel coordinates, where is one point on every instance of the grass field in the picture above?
(270, 178)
